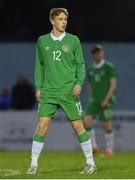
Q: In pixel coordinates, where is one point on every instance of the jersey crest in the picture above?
(65, 47)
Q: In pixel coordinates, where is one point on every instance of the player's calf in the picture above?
(109, 136)
(85, 142)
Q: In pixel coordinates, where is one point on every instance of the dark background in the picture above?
(91, 20)
(108, 22)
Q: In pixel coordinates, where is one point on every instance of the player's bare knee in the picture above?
(87, 121)
(79, 129)
(78, 126)
(107, 125)
(43, 125)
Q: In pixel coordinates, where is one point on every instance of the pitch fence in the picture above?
(17, 128)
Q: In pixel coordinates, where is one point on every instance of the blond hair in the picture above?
(96, 48)
(56, 12)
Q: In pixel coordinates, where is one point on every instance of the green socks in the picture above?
(83, 137)
(88, 128)
(109, 131)
(38, 138)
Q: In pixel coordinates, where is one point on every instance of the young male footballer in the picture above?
(102, 84)
(59, 75)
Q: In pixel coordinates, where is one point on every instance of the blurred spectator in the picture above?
(23, 95)
(5, 98)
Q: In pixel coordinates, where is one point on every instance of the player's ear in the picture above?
(52, 21)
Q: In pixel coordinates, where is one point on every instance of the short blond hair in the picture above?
(96, 48)
(56, 12)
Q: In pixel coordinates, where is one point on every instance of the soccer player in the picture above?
(101, 85)
(59, 75)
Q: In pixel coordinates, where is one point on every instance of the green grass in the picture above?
(66, 165)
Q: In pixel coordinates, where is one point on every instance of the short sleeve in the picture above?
(111, 71)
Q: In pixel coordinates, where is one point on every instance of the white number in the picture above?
(107, 113)
(56, 55)
(79, 108)
(97, 77)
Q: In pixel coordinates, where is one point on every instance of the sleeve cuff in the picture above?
(38, 89)
(79, 83)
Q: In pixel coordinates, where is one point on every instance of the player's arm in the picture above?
(38, 70)
(89, 89)
(112, 87)
(80, 68)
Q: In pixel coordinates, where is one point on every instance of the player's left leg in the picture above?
(86, 146)
(109, 135)
(72, 107)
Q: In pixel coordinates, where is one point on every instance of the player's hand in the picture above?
(104, 103)
(38, 95)
(77, 90)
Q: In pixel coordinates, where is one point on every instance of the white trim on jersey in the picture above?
(58, 38)
(100, 64)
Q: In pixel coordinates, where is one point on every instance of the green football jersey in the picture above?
(59, 64)
(99, 79)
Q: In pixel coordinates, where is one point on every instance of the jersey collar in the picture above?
(100, 64)
(58, 38)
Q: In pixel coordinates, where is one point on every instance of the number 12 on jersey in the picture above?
(56, 55)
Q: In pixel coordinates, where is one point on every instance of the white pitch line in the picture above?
(10, 172)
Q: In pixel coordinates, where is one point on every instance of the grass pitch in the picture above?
(66, 165)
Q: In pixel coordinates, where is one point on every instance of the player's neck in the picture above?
(56, 33)
(99, 64)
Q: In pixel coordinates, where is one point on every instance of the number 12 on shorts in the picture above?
(79, 108)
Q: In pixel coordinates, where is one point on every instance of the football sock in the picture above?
(86, 147)
(109, 136)
(93, 136)
(93, 139)
(88, 128)
(37, 145)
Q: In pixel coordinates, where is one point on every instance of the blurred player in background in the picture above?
(101, 85)
(59, 75)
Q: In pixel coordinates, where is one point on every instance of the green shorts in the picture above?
(71, 105)
(94, 109)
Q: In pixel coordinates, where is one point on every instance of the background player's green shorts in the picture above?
(71, 105)
(94, 109)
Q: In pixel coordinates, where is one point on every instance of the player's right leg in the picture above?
(38, 143)
(91, 112)
(88, 121)
(47, 108)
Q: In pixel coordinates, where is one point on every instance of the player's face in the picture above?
(98, 56)
(60, 22)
